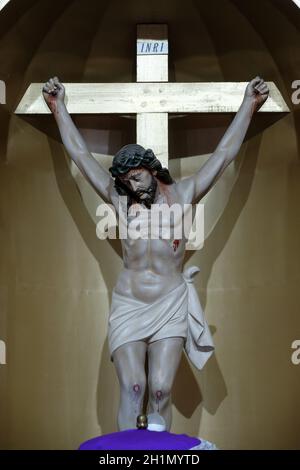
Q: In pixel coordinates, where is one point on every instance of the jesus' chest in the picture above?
(161, 221)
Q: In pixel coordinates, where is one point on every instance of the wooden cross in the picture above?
(152, 97)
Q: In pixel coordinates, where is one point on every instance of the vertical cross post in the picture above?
(152, 66)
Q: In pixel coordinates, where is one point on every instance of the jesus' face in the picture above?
(142, 183)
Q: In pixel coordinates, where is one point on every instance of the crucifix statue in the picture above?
(155, 310)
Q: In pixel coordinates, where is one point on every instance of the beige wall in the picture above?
(59, 386)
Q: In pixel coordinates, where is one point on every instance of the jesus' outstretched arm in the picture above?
(96, 174)
(196, 186)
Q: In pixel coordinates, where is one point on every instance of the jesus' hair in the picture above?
(135, 156)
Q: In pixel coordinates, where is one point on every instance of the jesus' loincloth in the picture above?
(178, 313)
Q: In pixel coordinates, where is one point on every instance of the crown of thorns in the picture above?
(127, 159)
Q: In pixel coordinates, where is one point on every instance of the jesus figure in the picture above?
(150, 302)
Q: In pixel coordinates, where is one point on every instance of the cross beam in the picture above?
(121, 98)
(152, 97)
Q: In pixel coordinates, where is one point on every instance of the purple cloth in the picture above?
(140, 439)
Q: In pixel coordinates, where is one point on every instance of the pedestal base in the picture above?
(143, 439)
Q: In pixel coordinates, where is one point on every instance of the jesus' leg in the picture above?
(164, 356)
(129, 361)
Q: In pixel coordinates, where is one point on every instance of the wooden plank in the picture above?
(152, 132)
(152, 68)
(119, 98)
(152, 53)
(152, 65)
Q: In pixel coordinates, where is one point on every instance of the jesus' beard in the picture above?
(149, 192)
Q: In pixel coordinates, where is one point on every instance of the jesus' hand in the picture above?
(258, 91)
(53, 91)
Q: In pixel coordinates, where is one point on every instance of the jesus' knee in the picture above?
(133, 389)
(159, 395)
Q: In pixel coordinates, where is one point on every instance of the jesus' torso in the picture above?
(152, 267)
